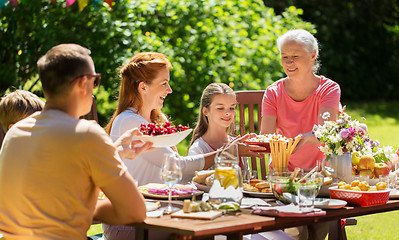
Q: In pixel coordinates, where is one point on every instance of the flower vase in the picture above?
(342, 165)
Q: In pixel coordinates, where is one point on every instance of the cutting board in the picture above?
(197, 215)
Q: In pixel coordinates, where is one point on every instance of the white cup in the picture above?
(306, 196)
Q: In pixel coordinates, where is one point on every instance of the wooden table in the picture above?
(236, 226)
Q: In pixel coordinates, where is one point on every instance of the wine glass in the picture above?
(171, 174)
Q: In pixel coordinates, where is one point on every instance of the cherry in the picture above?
(158, 129)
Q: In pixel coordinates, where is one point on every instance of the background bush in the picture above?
(359, 44)
(206, 41)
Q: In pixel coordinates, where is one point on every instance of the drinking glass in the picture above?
(227, 184)
(396, 175)
(171, 174)
(306, 196)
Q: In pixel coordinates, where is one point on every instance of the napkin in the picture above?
(290, 210)
(250, 202)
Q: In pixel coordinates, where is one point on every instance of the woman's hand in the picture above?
(129, 148)
(306, 138)
(245, 150)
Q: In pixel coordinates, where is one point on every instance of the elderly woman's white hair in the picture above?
(304, 37)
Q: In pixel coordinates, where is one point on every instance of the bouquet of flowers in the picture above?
(341, 136)
(380, 153)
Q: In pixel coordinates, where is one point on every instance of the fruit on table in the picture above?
(366, 172)
(366, 162)
(153, 129)
(381, 186)
(357, 185)
(355, 158)
(227, 177)
(381, 169)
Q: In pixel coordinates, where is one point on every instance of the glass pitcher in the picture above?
(227, 184)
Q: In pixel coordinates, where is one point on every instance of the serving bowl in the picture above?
(166, 140)
(284, 185)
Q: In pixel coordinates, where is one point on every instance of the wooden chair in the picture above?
(250, 121)
(249, 117)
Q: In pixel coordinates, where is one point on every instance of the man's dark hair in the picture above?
(61, 65)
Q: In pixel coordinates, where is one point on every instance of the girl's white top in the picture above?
(147, 166)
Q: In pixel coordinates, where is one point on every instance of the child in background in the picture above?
(215, 120)
(213, 129)
(17, 105)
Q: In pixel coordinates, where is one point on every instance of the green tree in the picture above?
(207, 41)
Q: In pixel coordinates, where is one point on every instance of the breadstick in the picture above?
(308, 174)
(282, 149)
(295, 143)
(285, 155)
(276, 155)
(289, 149)
(280, 157)
(272, 153)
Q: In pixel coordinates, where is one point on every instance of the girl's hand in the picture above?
(245, 150)
(129, 148)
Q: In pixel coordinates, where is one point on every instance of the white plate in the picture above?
(201, 187)
(331, 204)
(166, 140)
(394, 194)
(258, 194)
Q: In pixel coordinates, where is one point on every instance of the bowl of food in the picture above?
(264, 140)
(163, 135)
(284, 184)
(361, 193)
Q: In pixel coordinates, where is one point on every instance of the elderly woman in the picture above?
(293, 105)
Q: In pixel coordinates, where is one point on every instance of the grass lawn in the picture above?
(382, 119)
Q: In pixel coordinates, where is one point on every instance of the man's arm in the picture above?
(124, 205)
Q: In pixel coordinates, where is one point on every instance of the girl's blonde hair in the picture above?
(209, 93)
(143, 67)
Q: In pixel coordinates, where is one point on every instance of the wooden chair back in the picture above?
(249, 105)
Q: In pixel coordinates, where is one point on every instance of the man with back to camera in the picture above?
(52, 163)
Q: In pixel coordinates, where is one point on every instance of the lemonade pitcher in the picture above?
(227, 184)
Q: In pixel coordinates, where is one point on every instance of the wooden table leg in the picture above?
(234, 236)
(141, 234)
(335, 230)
